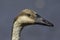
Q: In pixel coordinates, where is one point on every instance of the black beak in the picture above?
(42, 21)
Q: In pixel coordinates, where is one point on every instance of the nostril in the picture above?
(44, 21)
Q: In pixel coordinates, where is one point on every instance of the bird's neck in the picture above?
(16, 31)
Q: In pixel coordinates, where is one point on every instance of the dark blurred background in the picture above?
(49, 9)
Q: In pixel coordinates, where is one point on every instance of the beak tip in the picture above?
(52, 25)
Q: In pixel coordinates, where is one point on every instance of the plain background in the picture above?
(49, 9)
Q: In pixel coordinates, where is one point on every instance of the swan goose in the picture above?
(27, 17)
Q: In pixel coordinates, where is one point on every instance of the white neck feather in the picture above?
(16, 31)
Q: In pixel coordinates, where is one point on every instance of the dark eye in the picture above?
(28, 15)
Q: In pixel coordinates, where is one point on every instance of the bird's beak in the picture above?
(42, 21)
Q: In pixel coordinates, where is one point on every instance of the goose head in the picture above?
(30, 17)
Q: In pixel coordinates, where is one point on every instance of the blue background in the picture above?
(49, 9)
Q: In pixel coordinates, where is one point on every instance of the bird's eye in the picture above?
(28, 15)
